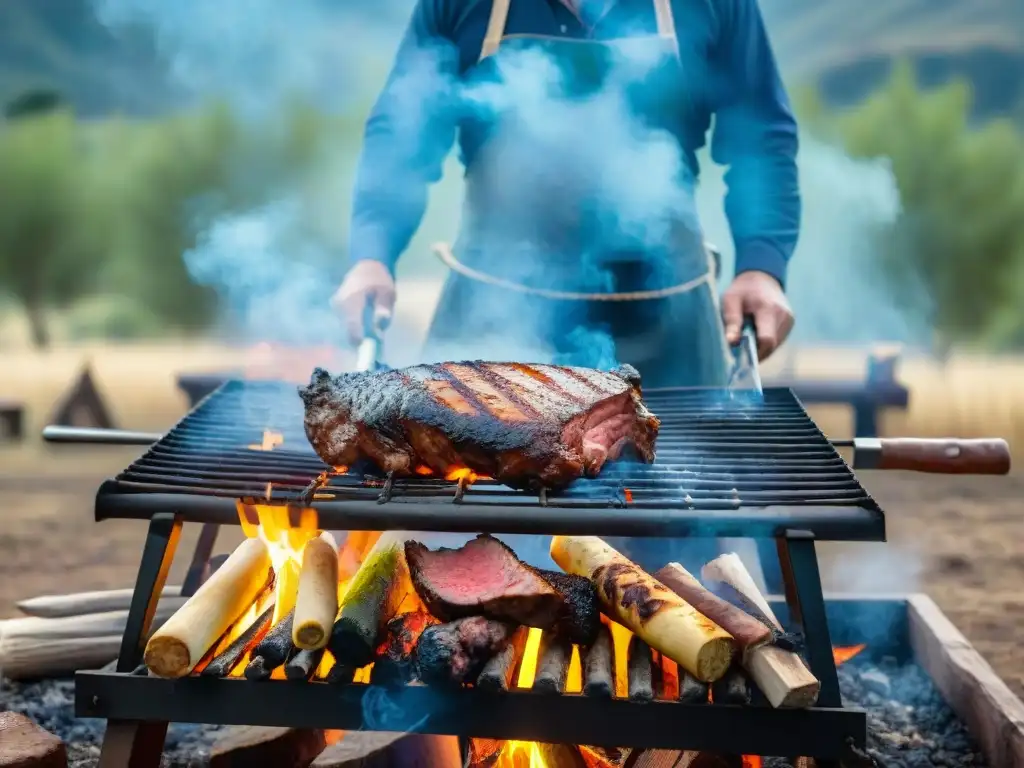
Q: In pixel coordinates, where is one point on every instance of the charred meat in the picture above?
(528, 426)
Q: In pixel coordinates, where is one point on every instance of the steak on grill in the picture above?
(528, 426)
(485, 578)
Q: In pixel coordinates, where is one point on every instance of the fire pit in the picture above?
(726, 467)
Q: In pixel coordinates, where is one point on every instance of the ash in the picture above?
(909, 725)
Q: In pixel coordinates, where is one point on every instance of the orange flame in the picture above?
(844, 654)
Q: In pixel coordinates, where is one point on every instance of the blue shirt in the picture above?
(730, 70)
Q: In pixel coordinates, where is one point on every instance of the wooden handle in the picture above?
(948, 456)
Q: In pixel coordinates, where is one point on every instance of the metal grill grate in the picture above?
(727, 465)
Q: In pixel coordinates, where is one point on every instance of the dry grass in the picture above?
(955, 538)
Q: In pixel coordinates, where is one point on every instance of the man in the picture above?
(561, 249)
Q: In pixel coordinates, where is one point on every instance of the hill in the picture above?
(846, 45)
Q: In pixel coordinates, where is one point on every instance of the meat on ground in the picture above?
(456, 652)
(485, 578)
(528, 426)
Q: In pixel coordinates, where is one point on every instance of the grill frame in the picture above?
(139, 708)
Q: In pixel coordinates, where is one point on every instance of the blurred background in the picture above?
(174, 197)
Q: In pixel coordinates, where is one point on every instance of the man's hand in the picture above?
(759, 295)
(366, 281)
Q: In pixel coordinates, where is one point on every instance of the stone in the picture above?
(23, 744)
(876, 681)
(246, 746)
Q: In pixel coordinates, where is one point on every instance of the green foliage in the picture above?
(960, 236)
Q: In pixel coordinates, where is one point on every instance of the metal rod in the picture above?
(97, 436)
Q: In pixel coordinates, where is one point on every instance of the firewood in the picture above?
(371, 601)
(553, 657)
(245, 746)
(35, 647)
(340, 674)
(83, 603)
(732, 688)
(316, 603)
(498, 673)
(639, 668)
(708, 760)
(394, 661)
(781, 675)
(176, 647)
(272, 651)
(561, 756)
(303, 664)
(692, 690)
(657, 758)
(383, 749)
(599, 665)
(608, 757)
(661, 618)
(226, 660)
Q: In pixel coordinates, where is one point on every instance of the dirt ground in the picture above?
(958, 539)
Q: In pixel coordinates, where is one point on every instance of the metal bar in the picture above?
(839, 523)
(807, 608)
(97, 436)
(157, 556)
(132, 744)
(520, 715)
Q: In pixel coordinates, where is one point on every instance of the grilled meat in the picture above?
(485, 578)
(528, 426)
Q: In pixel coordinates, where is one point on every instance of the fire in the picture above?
(844, 654)
(269, 442)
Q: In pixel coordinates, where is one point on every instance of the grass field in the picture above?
(956, 538)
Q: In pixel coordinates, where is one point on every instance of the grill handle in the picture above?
(97, 436)
(946, 456)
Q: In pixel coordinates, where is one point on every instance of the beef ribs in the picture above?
(485, 578)
(456, 652)
(528, 426)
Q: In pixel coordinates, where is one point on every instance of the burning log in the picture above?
(706, 760)
(245, 745)
(303, 664)
(370, 602)
(394, 661)
(607, 757)
(226, 660)
(456, 652)
(499, 672)
(599, 665)
(186, 637)
(658, 758)
(561, 756)
(553, 657)
(316, 604)
(732, 688)
(640, 671)
(273, 650)
(661, 618)
(383, 749)
(484, 753)
(692, 690)
(340, 674)
(84, 603)
(781, 675)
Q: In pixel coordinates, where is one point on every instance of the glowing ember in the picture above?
(751, 761)
(844, 654)
(464, 474)
(270, 441)
(629, 495)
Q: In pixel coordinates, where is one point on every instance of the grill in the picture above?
(728, 465)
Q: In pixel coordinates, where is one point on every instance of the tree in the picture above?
(960, 236)
(44, 260)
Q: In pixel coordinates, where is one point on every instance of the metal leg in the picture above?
(807, 606)
(197, 570)
(129, 744)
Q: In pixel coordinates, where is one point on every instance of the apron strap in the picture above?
(666, 23)
(495, 28)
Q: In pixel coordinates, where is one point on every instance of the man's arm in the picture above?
(408, 135)
(756, 136)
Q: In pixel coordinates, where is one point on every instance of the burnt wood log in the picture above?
(640, 671)
(394, 661)
(483, 753)
(553, 659)
(707, 760)
(226, 660)
(607, 757)
(303, 664)
(245, 746)
(499, 673)
(692, 690)
(599, 665)
(383, 749)
(456, 652)
(561, 756)
(340, 674)
(272, 651)
(733, 688)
